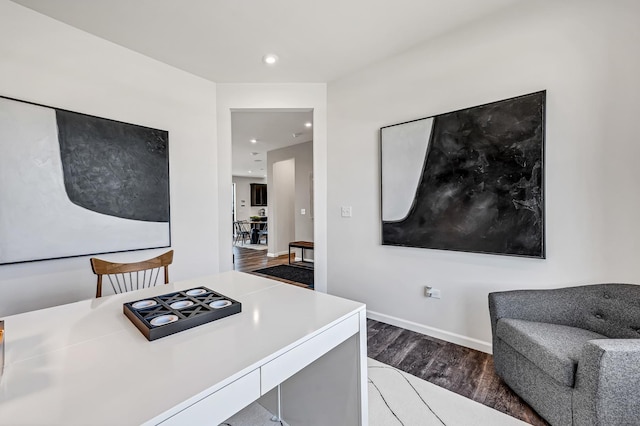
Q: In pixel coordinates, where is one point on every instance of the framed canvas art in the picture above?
(73, 184)
(469, 180)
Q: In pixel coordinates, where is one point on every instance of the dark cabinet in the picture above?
(258, 194)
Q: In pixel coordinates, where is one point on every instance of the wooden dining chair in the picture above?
(131, 276)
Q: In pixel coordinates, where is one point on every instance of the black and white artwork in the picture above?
(469, 180)
(73, 184)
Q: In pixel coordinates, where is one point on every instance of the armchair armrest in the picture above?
(607, 388)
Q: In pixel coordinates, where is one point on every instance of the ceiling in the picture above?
(272, 129)
(225, 40)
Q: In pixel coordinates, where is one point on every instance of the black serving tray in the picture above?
(150, 320)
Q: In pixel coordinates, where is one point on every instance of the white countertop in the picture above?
(86, 363)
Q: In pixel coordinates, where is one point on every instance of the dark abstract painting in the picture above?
(73, 184)
(469, 180)
(114, 168)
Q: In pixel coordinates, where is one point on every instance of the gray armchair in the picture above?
(573, 354)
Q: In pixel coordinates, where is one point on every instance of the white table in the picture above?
(86, 363)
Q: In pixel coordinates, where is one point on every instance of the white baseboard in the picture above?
(433, 332)
(282, 253)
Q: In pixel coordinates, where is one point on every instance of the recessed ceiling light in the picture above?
(257, 161)
(308, 124)
(255, 153)
(270, 59)
(249, 171)
(254, 140)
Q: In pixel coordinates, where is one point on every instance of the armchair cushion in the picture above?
(553, 348)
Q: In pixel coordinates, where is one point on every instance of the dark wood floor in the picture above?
(249, 260)
(461, 370)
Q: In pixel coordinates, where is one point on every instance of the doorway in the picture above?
(272, 149)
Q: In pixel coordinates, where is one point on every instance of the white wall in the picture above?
(275, 96)
(585, 55)
(282, 227)
(301, 191)
(244, 210)
(47, 62)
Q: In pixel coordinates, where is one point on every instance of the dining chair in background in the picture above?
(241, 231)
(263, 232)
(131, 276)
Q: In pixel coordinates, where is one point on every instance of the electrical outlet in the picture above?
(345, 211)
(432, 292)
(303, 211)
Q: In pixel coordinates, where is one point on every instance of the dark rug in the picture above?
(291, 273)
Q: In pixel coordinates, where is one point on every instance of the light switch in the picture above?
(303, 211)
(345, 211)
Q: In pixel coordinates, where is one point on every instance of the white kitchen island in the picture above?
(86, 363)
